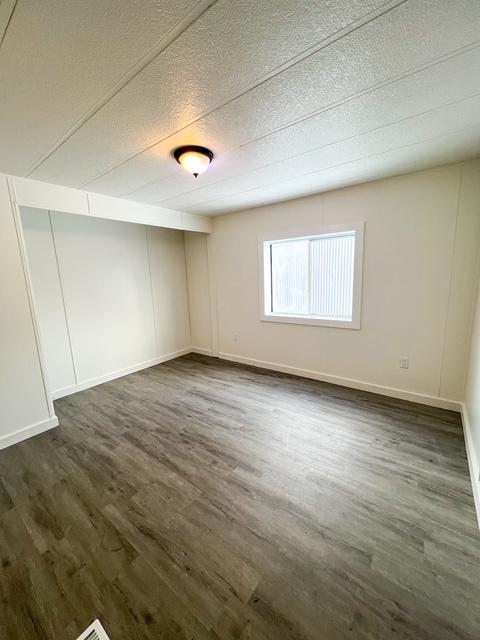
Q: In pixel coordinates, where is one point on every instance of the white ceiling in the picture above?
(293, 96)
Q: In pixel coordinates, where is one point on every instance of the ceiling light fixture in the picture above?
(193, 159)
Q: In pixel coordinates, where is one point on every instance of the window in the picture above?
(313, 279)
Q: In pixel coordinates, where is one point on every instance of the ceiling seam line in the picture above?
(10, 17)
(381, 85)
(150, 182)
(323, 44)
(304, 55)
(341, 164)
(157, 49)
(330, 106)
(325, 146)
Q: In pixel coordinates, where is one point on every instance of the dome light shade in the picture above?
(193, 159)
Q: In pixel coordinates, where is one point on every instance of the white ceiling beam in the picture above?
(43, 195)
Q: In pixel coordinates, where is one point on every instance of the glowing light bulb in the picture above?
(193, 159)
(194, 162)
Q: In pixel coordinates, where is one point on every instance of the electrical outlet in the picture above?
(235, 337)
(404, 363)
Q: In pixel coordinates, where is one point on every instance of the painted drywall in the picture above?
(104, 272)
(110, 296)
(471, 406)
(27, 374)
(421, 239)
(169, 289)
(23, 401)
(198, 291)
(48, 298)
(463, 285)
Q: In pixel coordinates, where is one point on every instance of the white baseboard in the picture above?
(40, 427)
(432, 401)
(92, 382)
(472, 460)
(202, 351)
(27, 432)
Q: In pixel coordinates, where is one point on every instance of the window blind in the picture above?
(313, 276)
(332, 263)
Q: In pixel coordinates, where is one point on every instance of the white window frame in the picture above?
(264, 273)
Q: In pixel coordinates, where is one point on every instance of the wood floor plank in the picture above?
(206, 500)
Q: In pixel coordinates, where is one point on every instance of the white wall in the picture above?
(104, 273)
(421, 240)
(26, 374)
(472, 399)
(110, 296)
(48, 298)
(198, 291)
(23, 401)
(169, 288)
(471, 407)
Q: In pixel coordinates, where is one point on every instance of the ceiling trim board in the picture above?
(314, 149)
(160, 46)
(111, 208)
(322, 44)
(53, 197)
(43, 195)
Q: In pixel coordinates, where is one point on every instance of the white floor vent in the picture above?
(94, 632)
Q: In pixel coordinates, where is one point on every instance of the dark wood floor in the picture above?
(200, 499)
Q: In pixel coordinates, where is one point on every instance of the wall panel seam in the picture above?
(15, 211)
(64, 305)
(213, 299)
(187, 286)
(152, 294)
(8, 23)
(476, 294)
(449, 294)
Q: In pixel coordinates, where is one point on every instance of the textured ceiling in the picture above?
(293, 96)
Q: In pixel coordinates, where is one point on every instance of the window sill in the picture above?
(311, 320)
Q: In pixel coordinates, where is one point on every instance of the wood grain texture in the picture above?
(201, 499)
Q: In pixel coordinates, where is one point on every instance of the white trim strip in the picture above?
(113, 375)
(15, 210)
(202, 351)
(472, 459)
(433, 401)
(401, 394)
(265, 242)
(27, 432)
